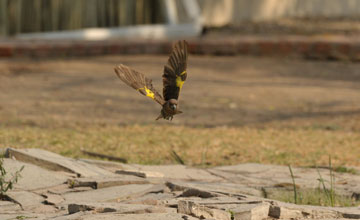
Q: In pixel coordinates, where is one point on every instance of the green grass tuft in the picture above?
(343, 169)
(315, 197)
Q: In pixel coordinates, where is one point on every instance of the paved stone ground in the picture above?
(56, 187)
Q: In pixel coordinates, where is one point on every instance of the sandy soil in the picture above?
(219, 91)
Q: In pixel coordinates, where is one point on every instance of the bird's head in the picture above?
(173, 104)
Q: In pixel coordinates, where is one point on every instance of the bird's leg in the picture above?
(169, 118)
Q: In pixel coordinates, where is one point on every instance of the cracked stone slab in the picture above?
(146, 216)
(56, 162)
(258, 211)
(60, 190)
(107, 165)
(106, 194)
(98, 182)
(52, 199)
(247, 168)
(27, 216)
(188, 190)
(180, 172)
(155, 189)
(213, 193)
(268, 176)
(33, 177)
(43, 208)
(223, 202)
(75, 216)
(183, 186)
(225, 210)
(282, 210)
(250, 174)
(201, 211)
(26, 199)
(118, 208)
(348, 212)
(151, 199)
(215, 189)
(41, 212)
(9, 207)
(222, 188)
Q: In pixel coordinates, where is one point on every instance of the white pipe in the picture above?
(158, 31)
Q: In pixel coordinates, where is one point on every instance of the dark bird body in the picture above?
(174, 77)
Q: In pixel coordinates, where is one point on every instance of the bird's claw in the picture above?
(169, 118)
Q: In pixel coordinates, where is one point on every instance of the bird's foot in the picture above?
(169, 118)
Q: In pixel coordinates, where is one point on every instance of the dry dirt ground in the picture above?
(236, 109)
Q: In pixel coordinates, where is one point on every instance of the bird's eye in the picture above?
(173, 107)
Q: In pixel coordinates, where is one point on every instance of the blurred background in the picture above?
(20, 16)
(270, 81)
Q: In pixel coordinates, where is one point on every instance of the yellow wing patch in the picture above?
(148, 92)
(179, 81)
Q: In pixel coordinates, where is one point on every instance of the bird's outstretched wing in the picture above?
(175, 71)
(139, 82)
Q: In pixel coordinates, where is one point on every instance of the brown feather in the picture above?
(138, 81)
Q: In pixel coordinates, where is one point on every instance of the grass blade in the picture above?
(177, 158)
(332, 176)
(294, 185)
(322, 181)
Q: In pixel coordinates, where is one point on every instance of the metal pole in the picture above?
(171, 11)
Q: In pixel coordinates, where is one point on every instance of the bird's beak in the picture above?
(178, 112)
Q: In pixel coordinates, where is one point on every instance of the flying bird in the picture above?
(174, 77)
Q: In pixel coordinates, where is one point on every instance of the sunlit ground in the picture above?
(236, 109)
